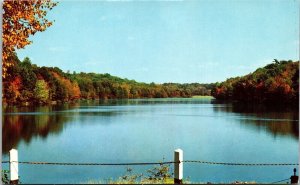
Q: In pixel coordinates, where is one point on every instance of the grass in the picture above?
(204, 97)
(159, 174)
(142, 181)
(166, 181)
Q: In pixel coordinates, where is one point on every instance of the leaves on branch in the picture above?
(20, 20)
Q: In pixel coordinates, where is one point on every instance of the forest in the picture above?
(277, 82)
(27, 83)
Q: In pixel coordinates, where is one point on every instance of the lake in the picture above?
(149, 130)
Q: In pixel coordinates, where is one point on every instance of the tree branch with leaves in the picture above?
(22, 19)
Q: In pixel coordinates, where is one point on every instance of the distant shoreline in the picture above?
(28, 104)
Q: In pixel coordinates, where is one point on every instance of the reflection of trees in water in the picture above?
(25, 123)
(278, 120)
(19, 127)
(277, 128)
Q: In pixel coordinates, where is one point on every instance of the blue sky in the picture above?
(168, 41)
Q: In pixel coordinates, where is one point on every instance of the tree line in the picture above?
(277, 82)
(28, 83)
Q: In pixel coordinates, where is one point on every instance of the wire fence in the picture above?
(155, 163)
(159, 163)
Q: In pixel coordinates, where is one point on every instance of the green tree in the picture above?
(41, 91)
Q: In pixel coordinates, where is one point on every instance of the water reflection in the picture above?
(26, 123)
(277, 120)
(25, 127)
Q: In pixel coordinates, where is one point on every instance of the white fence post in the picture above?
(13, 166)
(178, 166)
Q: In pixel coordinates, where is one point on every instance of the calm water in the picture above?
(148, 131)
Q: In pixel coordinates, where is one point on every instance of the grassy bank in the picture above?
(203, 97)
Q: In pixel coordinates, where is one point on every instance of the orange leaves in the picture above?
(72, 88)
(20, 20)
(16, 84)
(279, 85)
(15, 87)
(76, 91)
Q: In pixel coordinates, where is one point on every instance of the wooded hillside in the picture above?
(30, 83)
(275, 83)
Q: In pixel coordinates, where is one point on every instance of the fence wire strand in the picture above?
(156, 163)
(241, 164)
(91, 164)
(279, 181)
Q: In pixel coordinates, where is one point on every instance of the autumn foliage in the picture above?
(30, 84)
(275, 83)
(41, 85)
(21, 19)
(73, 91)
